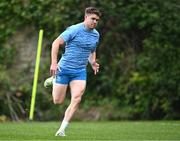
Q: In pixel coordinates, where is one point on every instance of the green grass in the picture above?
(81, 131)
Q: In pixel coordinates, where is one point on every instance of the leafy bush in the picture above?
(138, 53)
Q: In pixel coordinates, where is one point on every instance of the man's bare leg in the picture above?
(77, 89)
(59, 93)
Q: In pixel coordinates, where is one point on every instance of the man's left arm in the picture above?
(92, 61)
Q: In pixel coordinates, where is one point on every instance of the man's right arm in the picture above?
(54, 54)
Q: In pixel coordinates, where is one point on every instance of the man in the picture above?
(80, 41)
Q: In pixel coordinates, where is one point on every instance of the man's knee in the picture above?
(58, 101)
(77, 99)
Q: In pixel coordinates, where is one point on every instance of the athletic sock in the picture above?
(64, 125)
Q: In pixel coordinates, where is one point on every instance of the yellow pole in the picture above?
(31, 115)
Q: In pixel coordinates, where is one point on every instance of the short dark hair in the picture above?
(92, 10)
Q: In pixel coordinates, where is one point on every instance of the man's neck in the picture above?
(86, 27)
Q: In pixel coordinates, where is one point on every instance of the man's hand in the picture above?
(95, 67)
(53, 69)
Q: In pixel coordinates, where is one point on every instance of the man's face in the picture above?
(91, 20)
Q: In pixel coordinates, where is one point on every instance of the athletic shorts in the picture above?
(66, 76)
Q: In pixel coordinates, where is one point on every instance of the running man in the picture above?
(80, 42)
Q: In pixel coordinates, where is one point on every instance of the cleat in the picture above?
(60, 133)
(48, 82)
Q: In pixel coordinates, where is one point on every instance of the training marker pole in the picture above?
(31, 115)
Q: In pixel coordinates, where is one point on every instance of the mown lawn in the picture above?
(81, 131)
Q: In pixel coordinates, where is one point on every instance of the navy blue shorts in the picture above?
(66, 76)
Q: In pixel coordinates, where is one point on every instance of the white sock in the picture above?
(64, 125)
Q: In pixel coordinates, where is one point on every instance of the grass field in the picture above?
(81, 131)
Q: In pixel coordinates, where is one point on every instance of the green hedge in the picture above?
(139, 56)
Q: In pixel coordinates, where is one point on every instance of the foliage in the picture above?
(139, 56)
